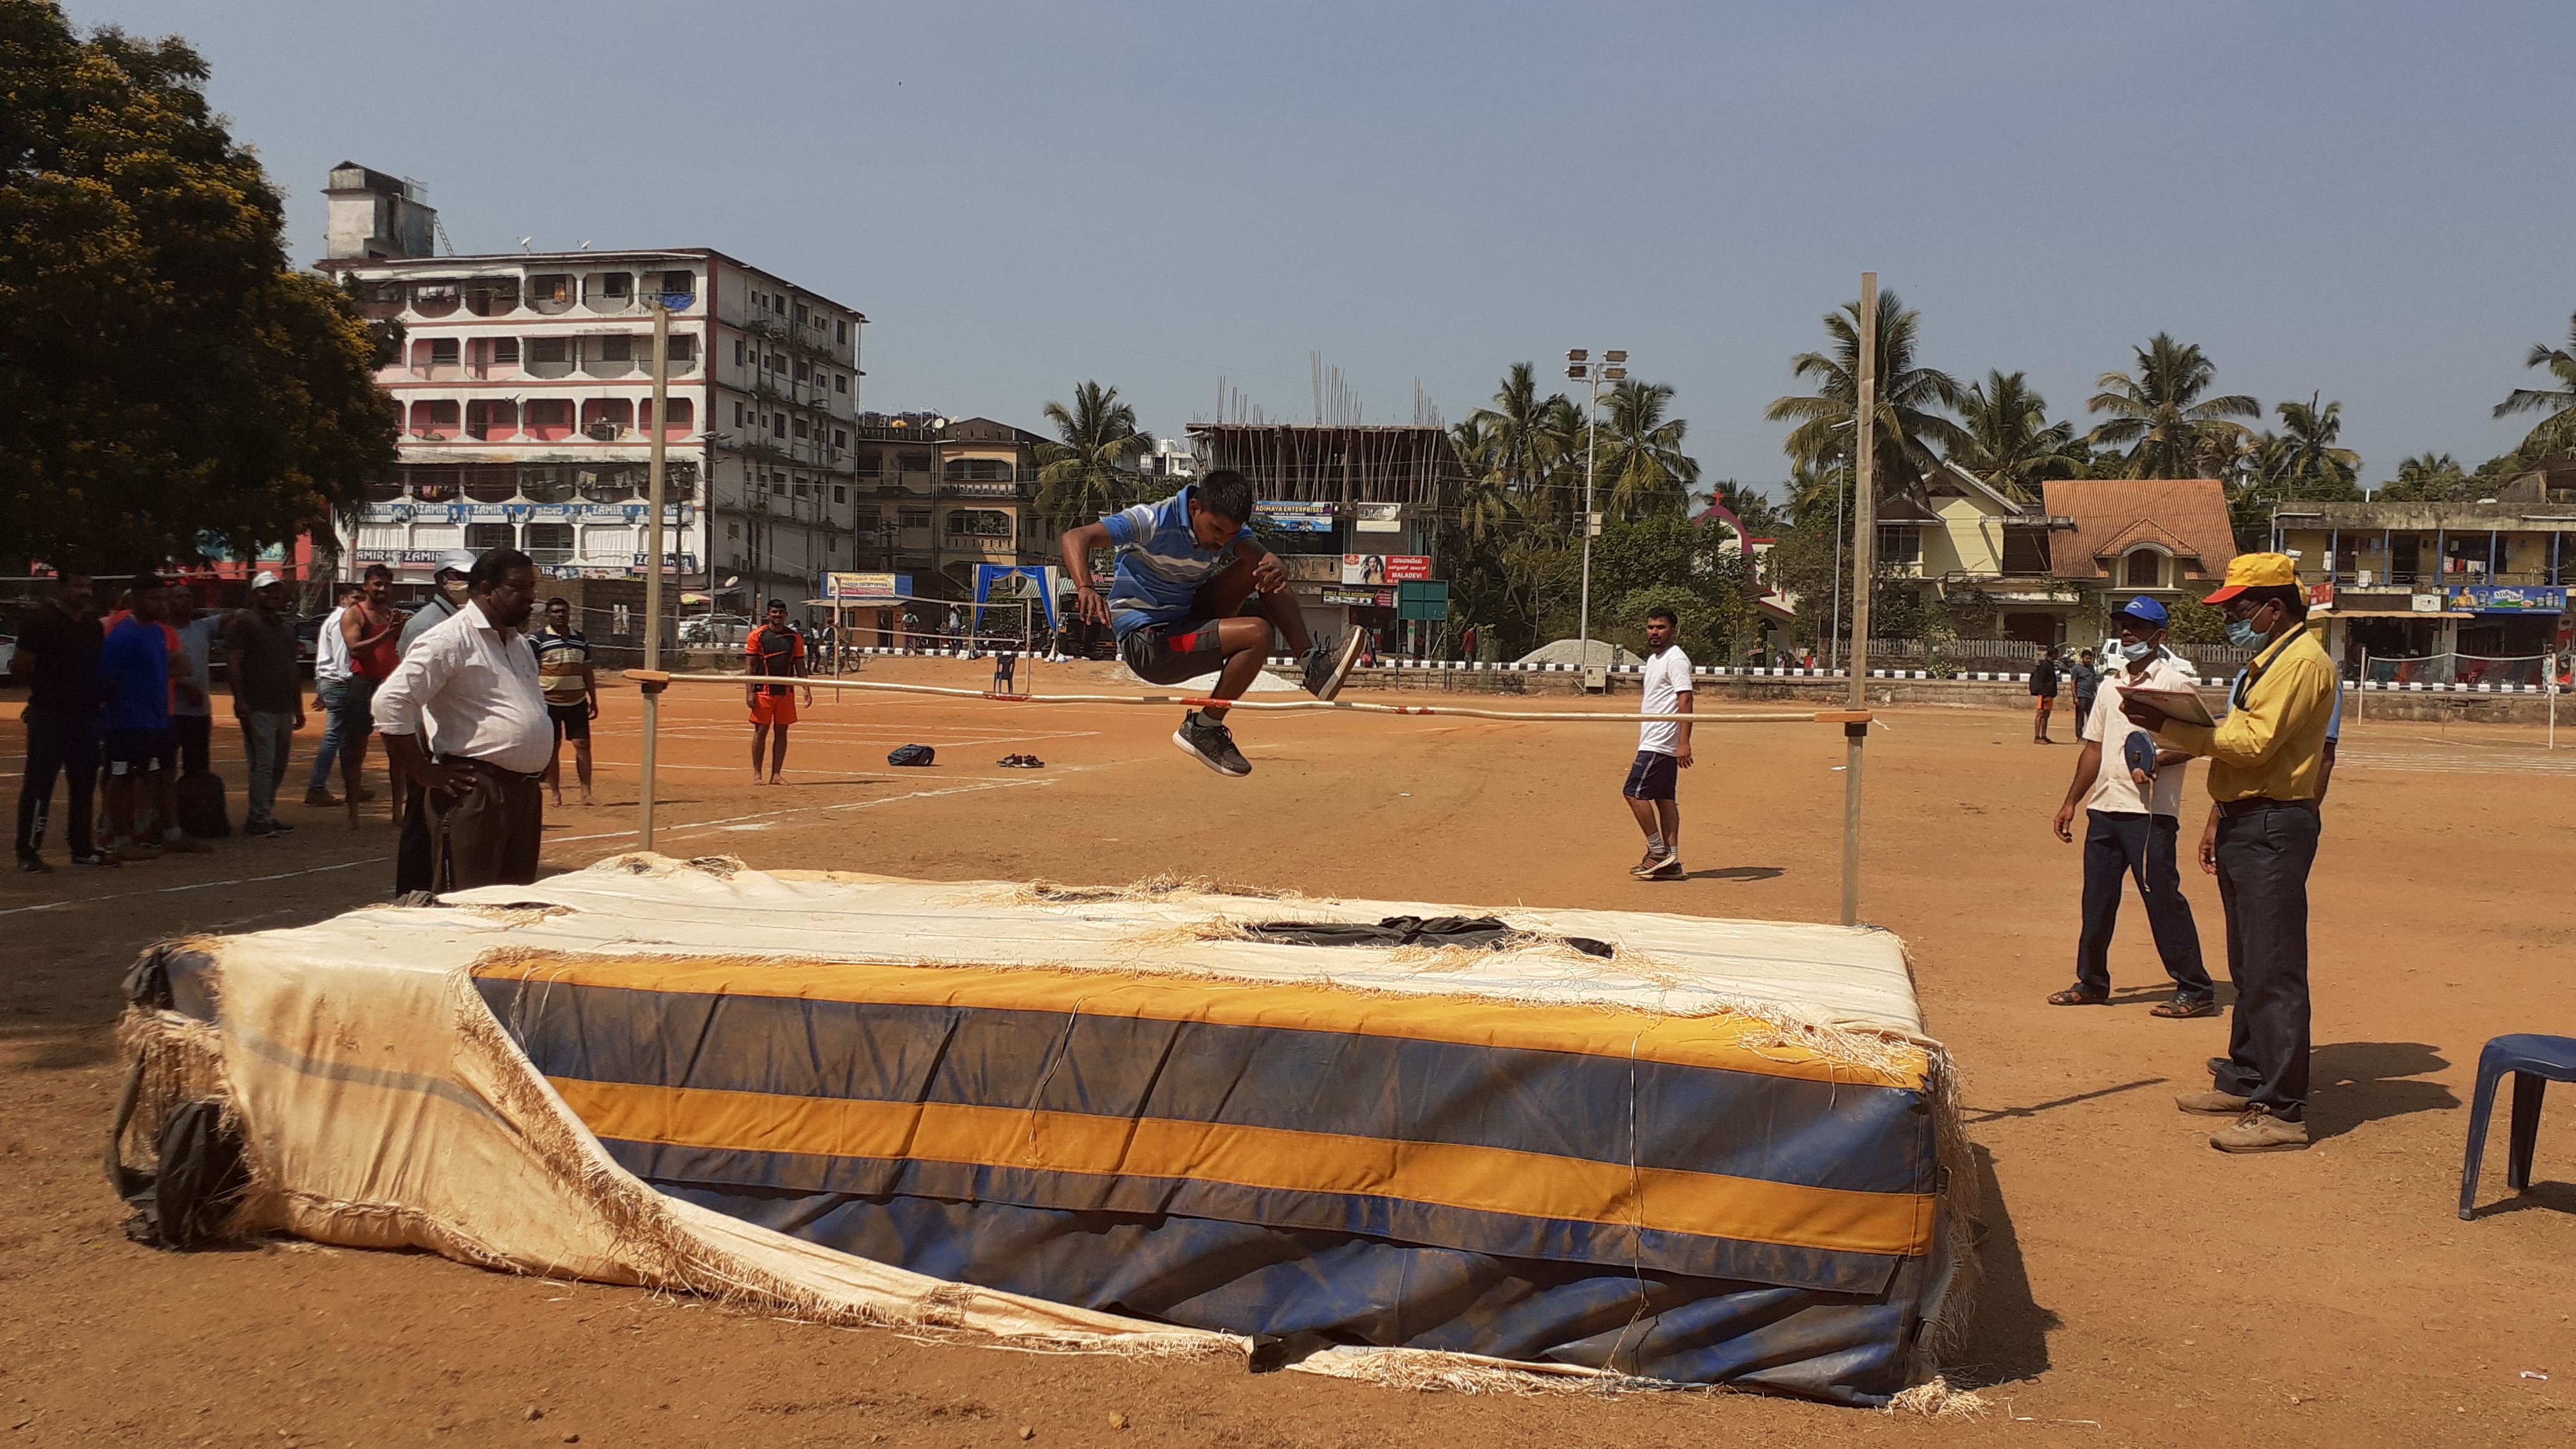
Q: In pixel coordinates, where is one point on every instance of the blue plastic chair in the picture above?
(2535, 1062)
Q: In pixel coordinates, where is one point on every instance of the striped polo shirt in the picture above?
(1160, 563)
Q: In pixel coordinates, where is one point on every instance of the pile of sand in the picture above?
(1568, 651)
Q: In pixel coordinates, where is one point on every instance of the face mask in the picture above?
(2136, 652)
(2243, 634)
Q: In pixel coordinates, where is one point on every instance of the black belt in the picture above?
(486, 767)
(2253, 803)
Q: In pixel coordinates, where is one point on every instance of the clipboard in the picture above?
(2181, 704)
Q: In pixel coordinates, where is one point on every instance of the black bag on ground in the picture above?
(200, 796)
(188, 1200)
(911, 755)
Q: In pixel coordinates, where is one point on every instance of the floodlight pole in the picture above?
(1591, 456)
(1864, 570)
(650, 679)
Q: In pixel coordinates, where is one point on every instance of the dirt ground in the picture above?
(2140, 1288)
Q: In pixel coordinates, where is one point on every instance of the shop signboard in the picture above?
(1283, 516)
(865, 588)
(2425, 603)
(1385, 568)
(2508, 599)
(1361, 598)
(1426, 600)
(1377, 518)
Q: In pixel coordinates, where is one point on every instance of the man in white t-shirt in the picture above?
(1663, 750)
(2130, 788)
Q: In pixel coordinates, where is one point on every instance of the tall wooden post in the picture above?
(650, 679)
(1864, 575)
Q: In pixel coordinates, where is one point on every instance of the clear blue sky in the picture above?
(2367, 200)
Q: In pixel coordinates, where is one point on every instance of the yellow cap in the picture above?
(2255, 571)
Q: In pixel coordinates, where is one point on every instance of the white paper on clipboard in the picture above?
(2182, 704)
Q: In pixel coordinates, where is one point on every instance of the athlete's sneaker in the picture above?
(320, 799)
(1326, 669)
(34, 865)
(1211, 744)
(97, 857)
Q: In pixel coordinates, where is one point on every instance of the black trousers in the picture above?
(2139, 847)
(58, 744)
(487, 836)
(2263, 860)
(196, 742)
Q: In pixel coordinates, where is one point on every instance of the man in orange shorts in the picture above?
(2043, 694)
(776, 651)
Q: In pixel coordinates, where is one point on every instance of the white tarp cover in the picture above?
(384, 1105)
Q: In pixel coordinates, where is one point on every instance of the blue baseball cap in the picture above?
(2146, 611)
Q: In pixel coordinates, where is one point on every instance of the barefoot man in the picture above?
(1183, 604)
(774, 651)
(572, 694)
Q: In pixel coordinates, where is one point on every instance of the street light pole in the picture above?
(1581, 368)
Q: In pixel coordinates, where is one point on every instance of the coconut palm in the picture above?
(1091, 472)
(2305, 462)
(1642, 467)
(1485, 509)
(1536, 441)
(2010, 441)
(2427, 477)
(2556, 434)
(1910, 432)
(1760, 516)
(2159, 415)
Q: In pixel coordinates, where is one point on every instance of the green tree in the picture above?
(170, 389)
(1752, 507)
(1642, 469)
(2428, 478)
(1531, 438)
(1911, 431)
(1091, 473)
(2009, 440)
(2555, 437)
(2303, 461)
(2158, 414)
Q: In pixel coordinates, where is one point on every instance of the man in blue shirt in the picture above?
(135, 667)
(1184, 602)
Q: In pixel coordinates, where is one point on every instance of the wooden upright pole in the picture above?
(651, 680)
(1864, 574)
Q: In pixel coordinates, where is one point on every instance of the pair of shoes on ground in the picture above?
(325, 800)
(268, 827)
(38, 865)
(1658, 865)
(2182, 1008)
(2256, 1129)
(1021, 762)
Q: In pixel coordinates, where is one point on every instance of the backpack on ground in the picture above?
(912, 755)
(200, 798)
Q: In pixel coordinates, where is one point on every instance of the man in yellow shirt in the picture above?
(2266, 773)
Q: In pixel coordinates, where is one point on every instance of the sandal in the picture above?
(2078, 996)
(2182, 1008)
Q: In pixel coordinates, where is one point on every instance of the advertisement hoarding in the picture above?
(1385, 568)
(1287, 517)
(865, 588)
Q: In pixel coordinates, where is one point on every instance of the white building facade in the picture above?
(526, 383)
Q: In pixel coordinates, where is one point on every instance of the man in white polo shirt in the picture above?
(2130, 789)
(1663, 750)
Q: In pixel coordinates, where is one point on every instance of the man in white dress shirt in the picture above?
(470, 685)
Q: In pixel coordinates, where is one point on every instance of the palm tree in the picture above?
(2306, 463)
(2428, 477)
(1641, 460)
(1485, 509)
(2010, 441)
(2556, 433)
(1532, 439)
(2159, 415)
(1908, 429)
(1760, 516)
(1090, 473)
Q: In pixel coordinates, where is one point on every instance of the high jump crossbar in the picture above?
(1855, 722)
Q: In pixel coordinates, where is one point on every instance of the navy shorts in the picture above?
(571, 721)
(1171, 653)
(140, 752)
(1653, 777)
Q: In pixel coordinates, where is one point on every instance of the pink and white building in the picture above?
(526, 386)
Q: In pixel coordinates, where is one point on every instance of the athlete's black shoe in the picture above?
(1326, 669)
(1211, 744)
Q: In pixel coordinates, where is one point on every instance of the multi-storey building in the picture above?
(938, 496)
(525, 383)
